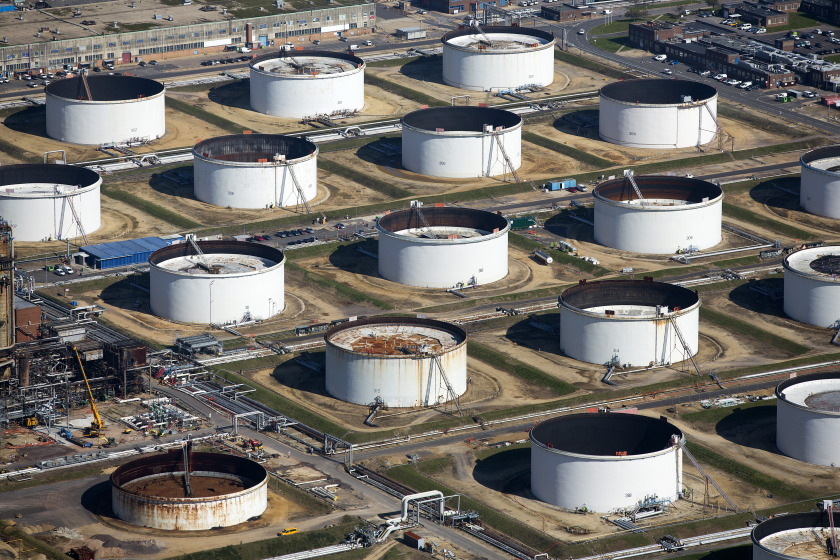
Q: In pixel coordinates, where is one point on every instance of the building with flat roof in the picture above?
(645, 35)
(756, 14)
(566, 12)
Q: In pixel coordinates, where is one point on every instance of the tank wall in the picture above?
(86, 122)
(807, 434)
(657, 127)
(812, 301)
(761, 553)
(492, 72)
(399, 382)
(603, 484)
(254, 187)
(819, 193)
(460, 156)
(220, 299)
(406, 261)
(594, 339)
(37, 219)
(190, 514)
(298, 97)
(627, 228)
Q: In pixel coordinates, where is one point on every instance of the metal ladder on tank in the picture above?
(434, 360)
(298, 189)
(201, 256)
(77, 220)
(508, 161)
(718, 129)
(681, 442)
(684, 344)
(628, 174)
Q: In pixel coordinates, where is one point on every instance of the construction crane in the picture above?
(97, 424)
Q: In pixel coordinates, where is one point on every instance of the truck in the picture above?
(561, 185)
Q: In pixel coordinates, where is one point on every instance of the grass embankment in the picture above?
(740, 213)
(523, 371)
(206, 116)
(402, 91)
(194, 88)
(566, 150)
(516, 296)
(363, 179)
(738, 326)
(581, 62)
(352, 144)
(391, 62)
(340, 289)
(708, 418)
(761, 123)
(559, 256)
(149, 207)
(312, 505)
(679, 271)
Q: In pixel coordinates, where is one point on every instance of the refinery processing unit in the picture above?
(419, 280)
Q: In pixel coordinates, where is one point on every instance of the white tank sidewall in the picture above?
(254, 186)
(217, 298)
(657, 126)
(593, 338)
(657, 230)
(603, 484)
(811, 300)
(307, 96)
(409, 261)
(399, 382)
(103, 122)
(460, 155)
(36, 218)
(491, 71)
(819, 192)
(807, 434)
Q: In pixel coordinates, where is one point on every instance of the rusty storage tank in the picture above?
(226, 491)
(396, 361)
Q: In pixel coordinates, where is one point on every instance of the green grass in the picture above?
(582, 62)
(150, 208)
(311, 505)
(351, 144)
(759, 122)
(340, 289)
(710, 417)
(402, 91)
(206, 116)
(200, 87)
(616, 26)
(364, 179)
(614, 44)
(832, 58)
(140, 26)
(677, 271)
(521, 370)
(391, 62)
(744, 215)
(734, 325)
(559, 257)
(798, 20)
(18, 153)
(512, 297)
(566, 150)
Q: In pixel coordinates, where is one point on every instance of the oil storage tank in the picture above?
(48, 201)
(255, 171)
(293, 85)
(819, 192)
(396, 362)
(658, 114)
(794, 536)
(223, 491)
(675, 214)
(442, 247)
(629, 322)
(812, 285)
(462, 142)
(108, 109)
(605, 461)
(498, 58)
(226, 282)
(808, 418)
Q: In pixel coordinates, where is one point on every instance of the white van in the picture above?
(354, 47)
(660, 58)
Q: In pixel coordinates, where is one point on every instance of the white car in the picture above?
(732, 82)
(581, 32)
(668, 71)
(760, 30)
(660, 58)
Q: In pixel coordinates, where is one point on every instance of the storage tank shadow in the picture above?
(507, 471)
(425, 69)
(762, 296)
(767, 193)
(233, 94)
(537, 333)
(754, 427)
(31, 120)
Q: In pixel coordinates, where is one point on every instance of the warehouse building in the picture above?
(756, 13)
(123, 253)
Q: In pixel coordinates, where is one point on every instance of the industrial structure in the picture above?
(796, 536)
(255, 171)
(397, 362)
(189, 491)
(43, 202)
(606, 461)
(812, 286)
(105, 110)
(294, 85)
(658, 214)
(658, 114)
(808, 418)
(629, 322)
(462, 142)
(819, 192)
(498, 58)
(443, 247)
(217, 282)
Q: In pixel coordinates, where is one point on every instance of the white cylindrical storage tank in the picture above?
(793, 536)
(658, 114)
(812, 285)
(396, 361)
(631, 321)
(605, 461)
(498, 58)
(48, 201)
(808, 418)
(293, 85)
(819, 192)
(444, 247)
(255, 171)
(462, 142)
(111, 110)
(233, 282)
(675, 213)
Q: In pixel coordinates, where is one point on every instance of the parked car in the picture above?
(668, 71)
(288, 531)
(153, 62)
(760, 30)
(581, 32)
(142, 64)
(660, 58)
(705, 73)
(674, 62)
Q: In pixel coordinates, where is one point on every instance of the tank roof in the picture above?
(816, 391)
(605, 434)
(443, 221)
(396, 336)
(660, 190)
(106, 88)
(224, 257)
(43, 178)
(504, 39)
(460, 119)
(792, 535)
(819, 262)
(306, 63)
(251, 148)
(628, 292)
(658, 92)
(825, 159)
